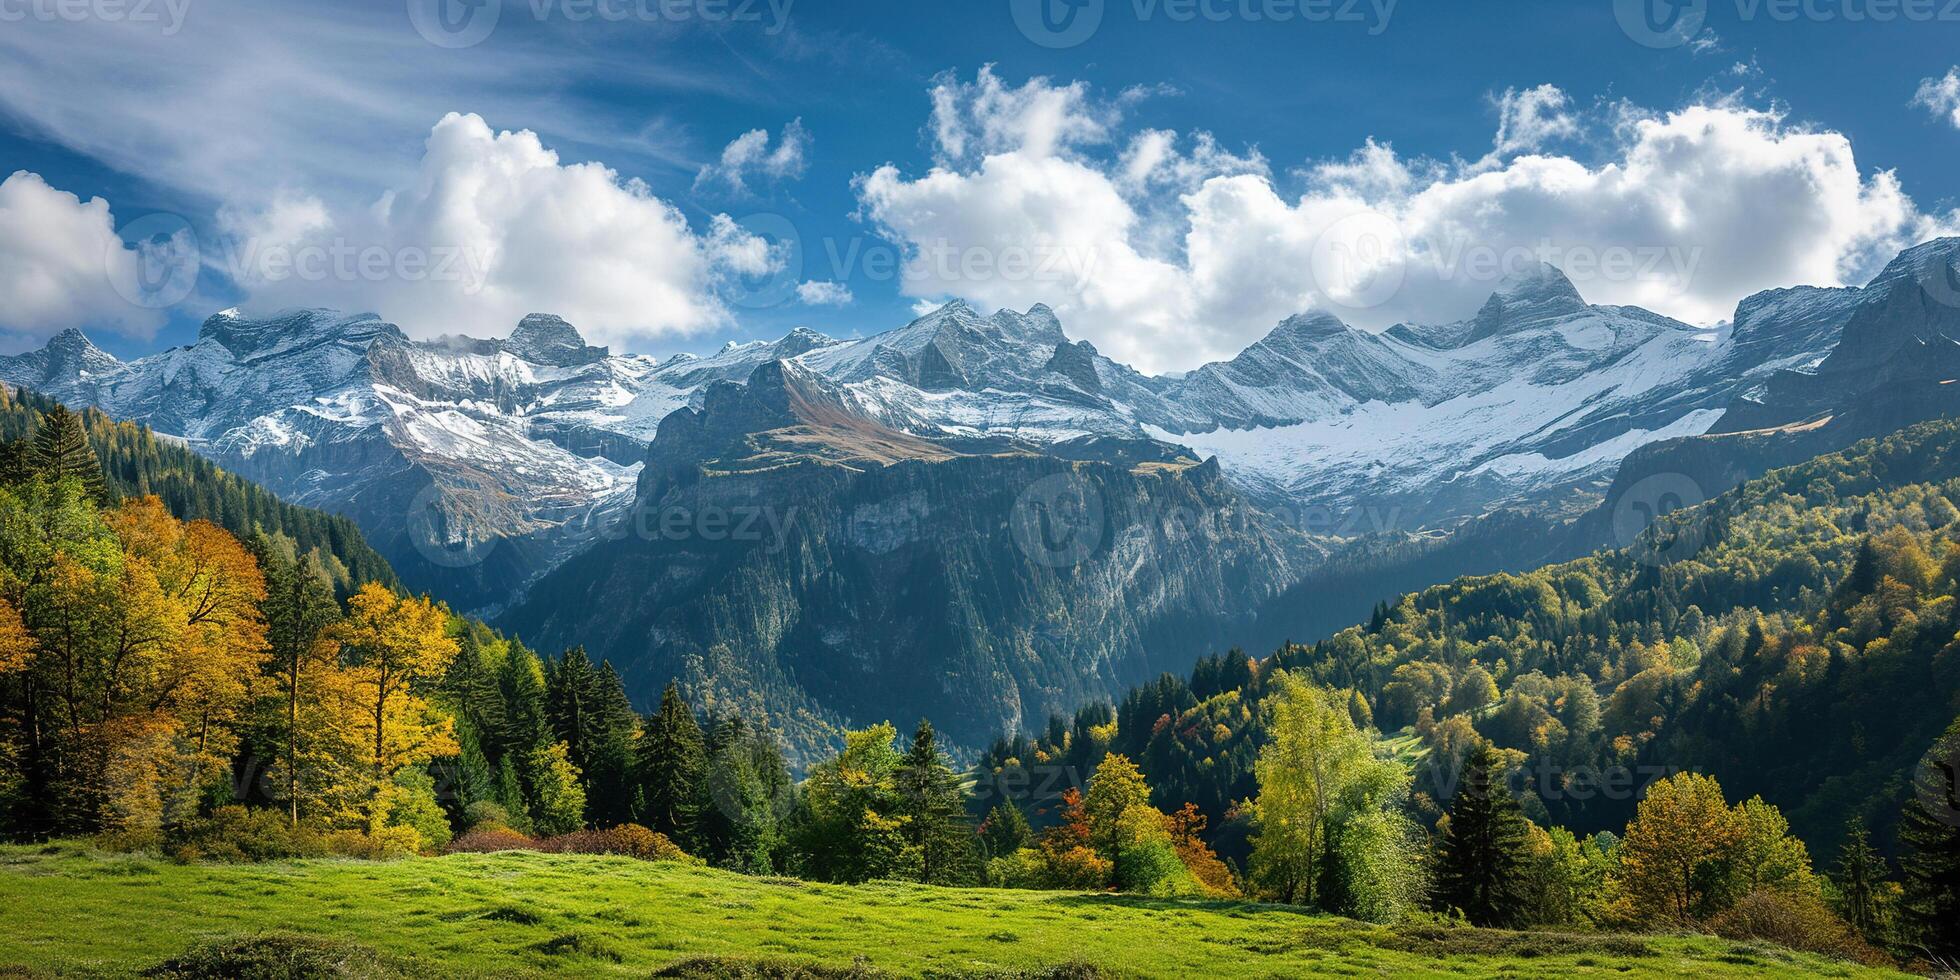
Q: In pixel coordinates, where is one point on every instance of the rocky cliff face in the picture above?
(796, 557)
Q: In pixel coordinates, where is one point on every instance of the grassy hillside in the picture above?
(71, 911)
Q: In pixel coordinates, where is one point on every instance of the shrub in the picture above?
(485, 812)
(276, 955)
(1152, 868)
(489, 838)
(1077, 868)
(1794, 920)
(628, 840)
(1021, 869)
(237, 833)
(386, 844)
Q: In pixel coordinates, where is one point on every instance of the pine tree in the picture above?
(608, 749)
(1930, 834)
(1480, 863)
(588, 711)
(1006, 831)
(671, 761)
(61, 450)
(1859, 872)
(930, 798)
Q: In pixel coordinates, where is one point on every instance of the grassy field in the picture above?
(67, 911)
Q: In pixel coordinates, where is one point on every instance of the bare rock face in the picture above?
(794, 556)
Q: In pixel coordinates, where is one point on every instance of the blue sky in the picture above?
(276, 121)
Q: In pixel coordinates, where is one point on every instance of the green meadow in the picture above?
(66, 910)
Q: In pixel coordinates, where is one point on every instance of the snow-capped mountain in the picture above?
(494, 459)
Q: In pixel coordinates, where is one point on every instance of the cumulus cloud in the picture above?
(1686, 213)
(63, 265)
(1037, 118)
(816, 292)
(751, 156)
(492, 226)
(1941, 96)
(1529, 119)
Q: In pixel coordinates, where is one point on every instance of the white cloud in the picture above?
(823, 293)
(1688, 212)
(493, 226)
(1529, 119)
(1941, 96)
(1037, 119)
(751, 156)
(62, 265)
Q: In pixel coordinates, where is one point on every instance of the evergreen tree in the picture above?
(671, 761)
(1859, 873)
(740, 826)
(589, 712)
(1481, 859)
(61, 450)
(1930, 834)
(1006, 831)
(934, 808)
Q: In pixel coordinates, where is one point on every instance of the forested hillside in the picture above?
(135, 463)
(1795, 637)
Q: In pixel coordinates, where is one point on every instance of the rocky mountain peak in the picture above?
(545, 339)
(1526, 299)
(249, 338)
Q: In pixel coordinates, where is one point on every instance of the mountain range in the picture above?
(905, 494)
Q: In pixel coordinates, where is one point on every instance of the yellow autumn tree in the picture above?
(390, 651)
(144, 634)
(188, 640)
(16, 643)
(1669, 859)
